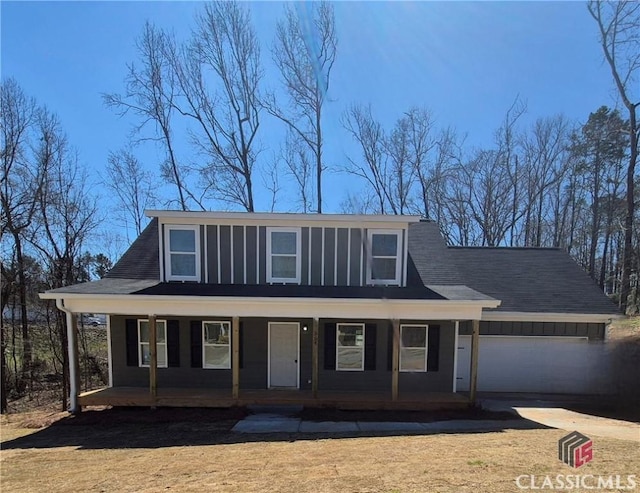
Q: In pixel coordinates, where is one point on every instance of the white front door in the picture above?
(284, 345)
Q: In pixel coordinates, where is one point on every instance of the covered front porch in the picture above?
(188, 384)
(220, 398)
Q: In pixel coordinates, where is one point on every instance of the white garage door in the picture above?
(535, 364)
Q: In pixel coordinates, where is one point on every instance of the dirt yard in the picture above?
(144, 455)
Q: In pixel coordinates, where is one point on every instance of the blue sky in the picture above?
(466, 61)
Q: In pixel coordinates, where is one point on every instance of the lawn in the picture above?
(203, 455)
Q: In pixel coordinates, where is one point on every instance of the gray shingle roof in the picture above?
(531, 280)
(430, 257)
(140, 261)
(525, 279)
(107, 286)
(292, 291)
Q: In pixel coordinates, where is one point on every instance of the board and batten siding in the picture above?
(593, 331)
(330, 256)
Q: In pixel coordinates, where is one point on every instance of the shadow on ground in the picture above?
(145, 428)
(625, 407)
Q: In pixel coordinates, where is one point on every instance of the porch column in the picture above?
(235, 357)
(455, 354)
(153, 360)
(72, 348)
(395, 360)
(314, 358)
(473, 377)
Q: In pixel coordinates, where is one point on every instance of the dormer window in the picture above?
(384, 265)
(182, 253)
(283, 255)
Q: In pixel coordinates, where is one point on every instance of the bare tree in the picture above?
(402, 164)
(150, 94)
(67, 215)
(619, 30)
(361, 202)
(271, 183)
(544, 163)
(295, 157)
(506, 138)
(435, 174)
(372, 167)
(219, 76)
(20, 183)
(132, 185)
(304, 52)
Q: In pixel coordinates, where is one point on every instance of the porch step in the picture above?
(281, 410)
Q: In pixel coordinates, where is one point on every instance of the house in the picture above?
(361, 311)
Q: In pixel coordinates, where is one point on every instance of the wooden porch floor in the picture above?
(194, 397)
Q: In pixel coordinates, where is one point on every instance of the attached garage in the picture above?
(549, 333)
(545, 364)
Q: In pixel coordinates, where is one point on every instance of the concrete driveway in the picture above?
(555, 412)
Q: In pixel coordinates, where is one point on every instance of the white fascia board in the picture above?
(598, 318)
(276, 307)
(280, 219)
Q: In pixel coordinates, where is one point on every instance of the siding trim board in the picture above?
(218, 255)
(349, 257)
(310, 256)
(233, 267)
(322, 256)
(278, 219)
(335, 257)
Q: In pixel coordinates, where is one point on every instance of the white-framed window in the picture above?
(283, 255)
(144, 353)
(350, 347)
(385, 258)
(413, 347)
(216, 344)
(182, 252)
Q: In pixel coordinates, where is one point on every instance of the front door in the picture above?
(284, 346)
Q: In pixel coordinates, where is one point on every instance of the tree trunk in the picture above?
(625, 289)
(26, 371)
(3, 368)
(319, 161)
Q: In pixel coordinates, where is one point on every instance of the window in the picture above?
(413, 348)
(384, 257)
(283, 255)
(144, 353)
(350, 347)
(216, 345)
(182, 253)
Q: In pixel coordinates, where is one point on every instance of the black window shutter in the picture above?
(433, 349)
(196, 344)
(131, 327)
(390, 347)
(173, 343)
(241, 345)
(370, 333)
(329, 346)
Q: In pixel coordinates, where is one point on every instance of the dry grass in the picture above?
(204, 456)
